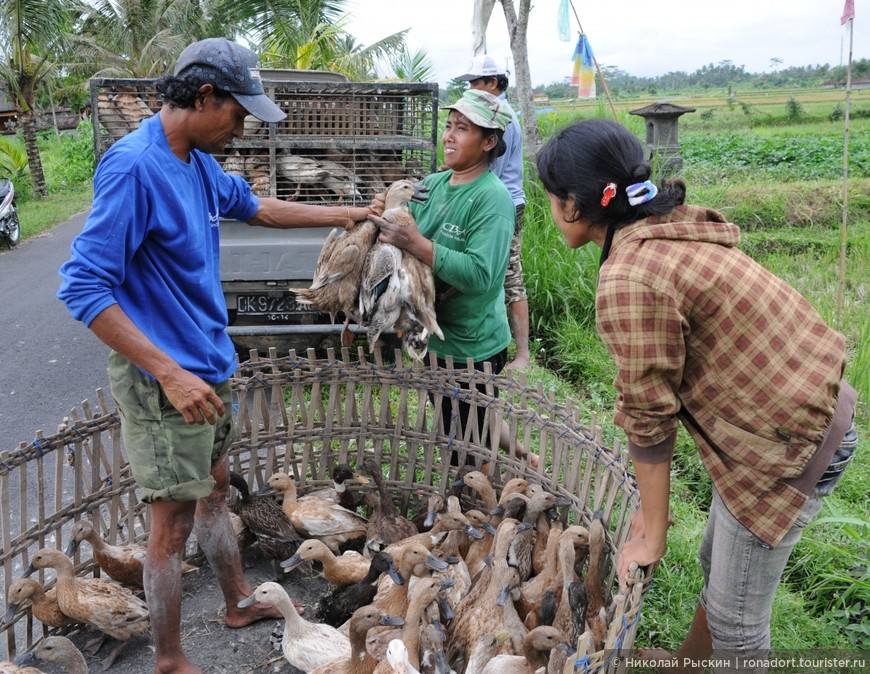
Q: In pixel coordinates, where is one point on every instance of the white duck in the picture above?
(305, 645)
(397, 656)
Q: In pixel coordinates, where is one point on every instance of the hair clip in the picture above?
(608, 194)
(640, 193)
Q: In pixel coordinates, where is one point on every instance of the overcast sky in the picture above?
(641, 37)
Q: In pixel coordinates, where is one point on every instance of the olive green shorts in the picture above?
(171, 460)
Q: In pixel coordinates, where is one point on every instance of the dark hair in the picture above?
(500, 146)
(183, 92)
(501, 81)
(583, 158)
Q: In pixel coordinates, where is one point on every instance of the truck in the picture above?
(341, 143)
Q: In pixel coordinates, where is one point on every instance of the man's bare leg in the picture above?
(518, 317)
(216, 537)
(171, 524)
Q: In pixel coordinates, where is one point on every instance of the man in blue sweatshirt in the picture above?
(144, 276)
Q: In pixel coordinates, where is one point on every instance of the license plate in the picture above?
(274, 306)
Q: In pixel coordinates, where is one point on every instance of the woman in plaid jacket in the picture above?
(703, 335)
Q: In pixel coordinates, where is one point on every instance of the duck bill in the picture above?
(391, 620)
(445, 609)
(474, 533)
(248, 601)
(430, 518)
(29, 571)
(291, 563)
(71, 548)
(498, 510)
(442, 666)
(28, 658)
(421, 193)
(10, 613)
(524, 526)
(488, 528)
(436, 564)
(394, 574)
(266, 489)
(360, 479)
(503, 596)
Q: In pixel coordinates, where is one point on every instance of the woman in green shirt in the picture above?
(463, 233)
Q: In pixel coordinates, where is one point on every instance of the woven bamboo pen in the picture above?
(303, 415)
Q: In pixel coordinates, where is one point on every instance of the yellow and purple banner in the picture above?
(583, 76)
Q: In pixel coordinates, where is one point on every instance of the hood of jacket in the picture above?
(684, 223)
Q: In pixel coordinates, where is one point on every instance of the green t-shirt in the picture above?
(471, 226)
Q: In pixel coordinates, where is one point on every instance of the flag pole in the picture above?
(841, 276)
(597, 69)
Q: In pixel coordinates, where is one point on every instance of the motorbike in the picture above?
(10, 231)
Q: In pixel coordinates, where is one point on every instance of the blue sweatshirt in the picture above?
(151, 245)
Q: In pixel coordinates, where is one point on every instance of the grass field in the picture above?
(813, 99)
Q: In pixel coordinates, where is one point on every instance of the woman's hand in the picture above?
(406, 237)
(402, 236)
(636, 550)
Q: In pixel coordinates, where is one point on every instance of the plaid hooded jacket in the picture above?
(702, 333)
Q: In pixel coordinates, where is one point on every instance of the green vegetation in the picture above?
(724, 76)
(69, 167)
(713, 157)
(783, 185)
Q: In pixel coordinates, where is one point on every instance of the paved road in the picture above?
(49, 363)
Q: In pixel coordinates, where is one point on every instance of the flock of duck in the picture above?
(504, 588)
(377, 285)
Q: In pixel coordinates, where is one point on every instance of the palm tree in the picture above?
(309, 34)
(408, 67)
(31, 36)
(138, 38)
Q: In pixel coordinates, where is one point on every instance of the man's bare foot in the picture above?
(184, 666)
(242, 617)
(518, 363)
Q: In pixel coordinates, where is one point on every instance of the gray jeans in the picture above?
(741, 574)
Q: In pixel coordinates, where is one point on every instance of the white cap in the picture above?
(482, 66)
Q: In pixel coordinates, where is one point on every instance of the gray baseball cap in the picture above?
(232, 68)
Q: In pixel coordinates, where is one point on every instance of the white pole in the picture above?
(843, 229)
